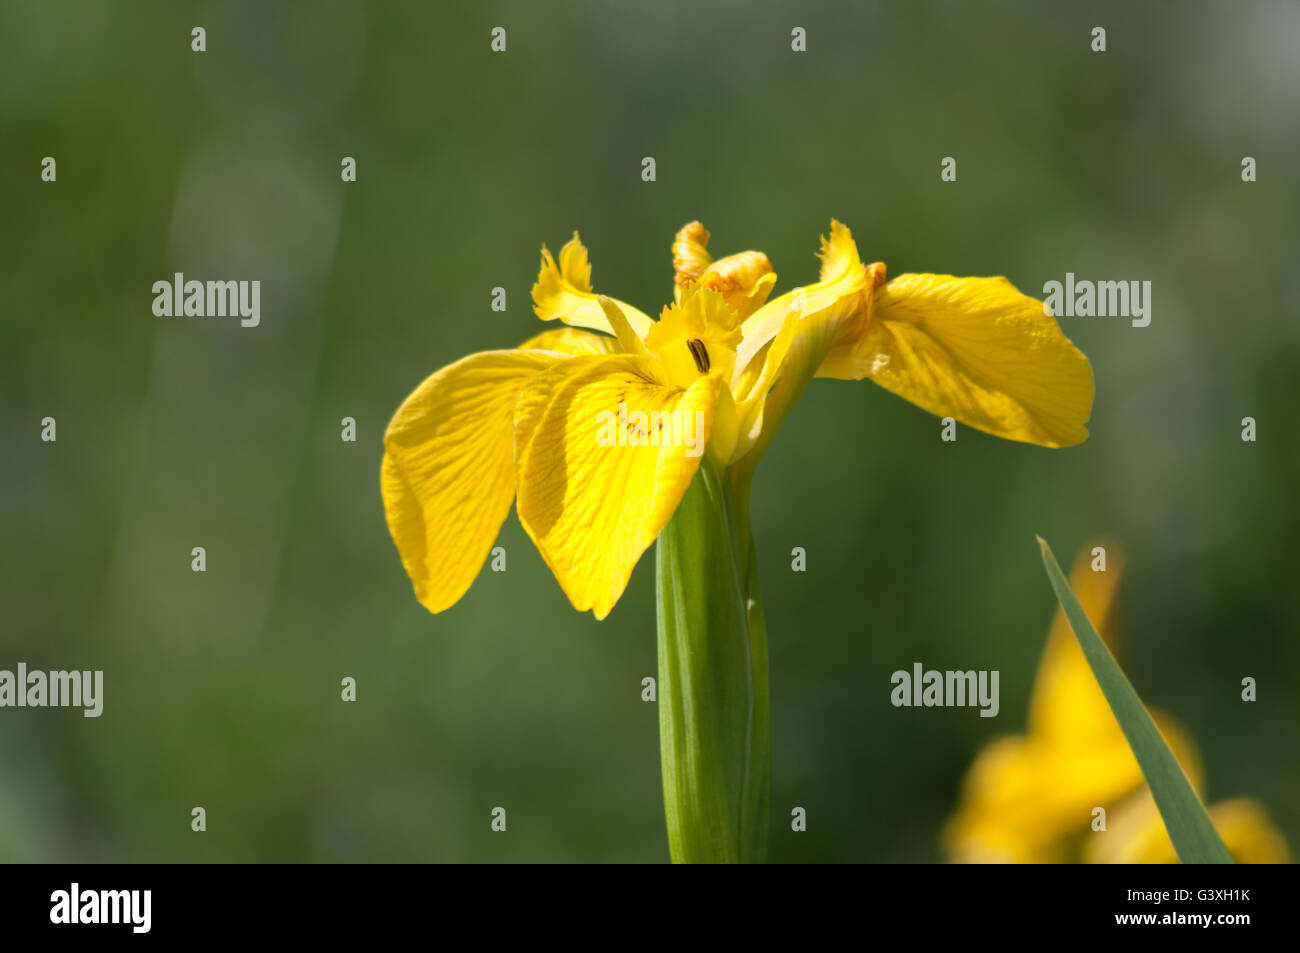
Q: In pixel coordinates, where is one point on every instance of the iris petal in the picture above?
(448, 472)
(591, 496)
(563, 292)
(974, 349)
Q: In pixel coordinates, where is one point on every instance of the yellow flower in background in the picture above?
(1030, 798)
(716, 373)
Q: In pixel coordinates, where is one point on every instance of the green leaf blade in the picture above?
(1193, 834)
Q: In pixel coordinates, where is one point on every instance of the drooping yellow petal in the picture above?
(604, 452)
(448, 473)
(974, 349)
(1135, 834)
(571, 341)
(563, 292)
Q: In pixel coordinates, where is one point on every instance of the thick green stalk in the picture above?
(706, 696)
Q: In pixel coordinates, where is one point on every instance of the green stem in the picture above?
(709, 541)
(806, 353)
(710, 751)
(757, 796)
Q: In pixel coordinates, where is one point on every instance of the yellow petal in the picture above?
(628, 340)
(1248, 833)
(590, 499)
(788, 362)
(1024, 797)
(839, 254)
(564, 293)
(974, 349)
(744, 279)
(786, 341)
(1135, 834)
(726, 428)
(448, 474)
(838, 290)
(571, 341)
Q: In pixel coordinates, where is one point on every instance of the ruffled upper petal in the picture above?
(839, 288)
(563, 292)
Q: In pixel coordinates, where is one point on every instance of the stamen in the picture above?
(700, 354)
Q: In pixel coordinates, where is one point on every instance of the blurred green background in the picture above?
(222, 688)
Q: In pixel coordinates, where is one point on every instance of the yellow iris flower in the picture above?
(1030, 798)
(531, 423)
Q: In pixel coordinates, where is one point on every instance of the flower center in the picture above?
(698, 336)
